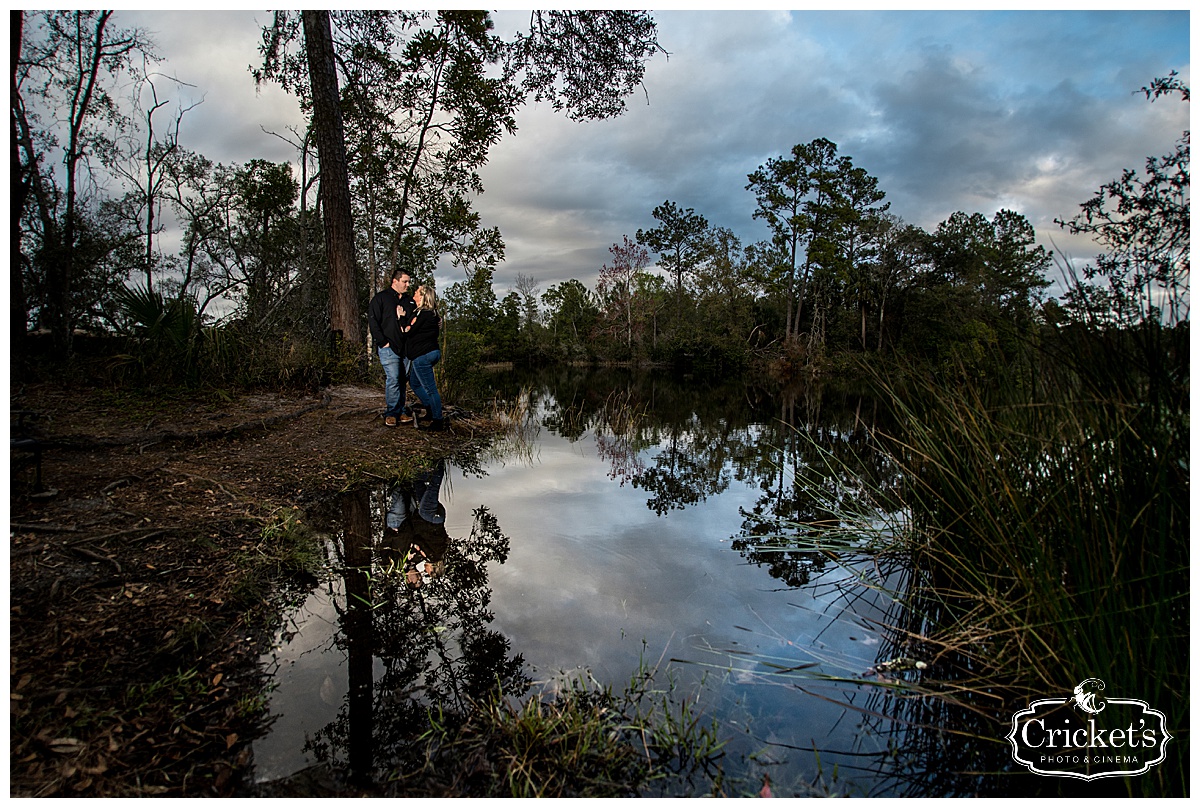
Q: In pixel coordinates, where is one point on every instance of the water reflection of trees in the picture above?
(810, 451)
(412, 641)
(816, 463)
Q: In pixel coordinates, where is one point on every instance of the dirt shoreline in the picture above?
(144, 579)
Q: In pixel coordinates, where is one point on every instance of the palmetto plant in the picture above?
(152, 318)
(167, 337)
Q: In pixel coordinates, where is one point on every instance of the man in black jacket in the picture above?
(389, 343)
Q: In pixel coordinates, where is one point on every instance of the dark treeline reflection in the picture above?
(812, 451)
(413, 626)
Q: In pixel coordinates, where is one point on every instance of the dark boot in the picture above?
(437, 425)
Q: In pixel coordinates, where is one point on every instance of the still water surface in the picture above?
(610, 531)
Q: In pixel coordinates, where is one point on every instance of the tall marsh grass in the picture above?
(1043, 531)
(1050, 532)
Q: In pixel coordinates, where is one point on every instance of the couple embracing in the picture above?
(405, 330)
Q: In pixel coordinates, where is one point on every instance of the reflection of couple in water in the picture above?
(414, 531)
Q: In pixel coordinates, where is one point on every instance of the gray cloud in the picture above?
(213, 52)
(950, 110)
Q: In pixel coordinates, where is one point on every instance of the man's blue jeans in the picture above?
(420, 378)
(395, 370)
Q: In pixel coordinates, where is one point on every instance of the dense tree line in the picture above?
(840, 274)
(844, 275)
(257, 279)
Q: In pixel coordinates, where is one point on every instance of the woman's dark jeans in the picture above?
(420, 379)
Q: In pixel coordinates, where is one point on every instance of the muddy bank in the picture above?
(147, 564)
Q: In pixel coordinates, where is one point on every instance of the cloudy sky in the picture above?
(951, 110)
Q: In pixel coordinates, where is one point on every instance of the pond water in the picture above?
(624, 523)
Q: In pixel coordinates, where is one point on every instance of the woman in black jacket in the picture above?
(421, 348)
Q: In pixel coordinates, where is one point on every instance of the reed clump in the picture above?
(1050, 522)
(583, 741)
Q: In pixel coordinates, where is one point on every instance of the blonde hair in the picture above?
(428, 298)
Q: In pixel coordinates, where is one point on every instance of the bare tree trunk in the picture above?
(335, 181)
(18, 309)
(89, 55)
(155, 173)
(307, 282)
(802, 296)
(629, 321)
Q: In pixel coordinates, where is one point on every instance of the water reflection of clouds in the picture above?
(580, 571)
(308, 689)
(592, 572)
